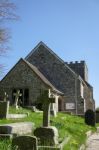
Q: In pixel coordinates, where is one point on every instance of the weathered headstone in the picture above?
(53, 110)
(24, 143)
(17, 95)
(48, 135)
(4, 109)
(5, 96)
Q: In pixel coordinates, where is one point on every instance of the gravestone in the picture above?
(47, 134)
(53, 110)
(5, 96)
(24, 143)
(17, 95)
(4, 109)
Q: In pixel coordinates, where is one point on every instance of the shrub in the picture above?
(90, 117)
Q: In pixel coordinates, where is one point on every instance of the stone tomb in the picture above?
(17, 128)
(24, 143)
(47, 134)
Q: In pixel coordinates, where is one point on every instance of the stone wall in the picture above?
(22, 77)
(88, 95)
(63, 78)
(80, 99)
(80, 68)
(58, 73)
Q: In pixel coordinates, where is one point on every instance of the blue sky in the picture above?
(69, 27)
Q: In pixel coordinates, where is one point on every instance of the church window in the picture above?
(82, 90)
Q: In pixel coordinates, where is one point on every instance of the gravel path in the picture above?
(93, 142)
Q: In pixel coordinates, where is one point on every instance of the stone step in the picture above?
(17, 128)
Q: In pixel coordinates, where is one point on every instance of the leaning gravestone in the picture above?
(24, 143)
(47, 134)
(90, 117)
(4, 108)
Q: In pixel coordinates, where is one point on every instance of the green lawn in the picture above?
(67, 125)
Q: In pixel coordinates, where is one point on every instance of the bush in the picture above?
(97, 109)
(90, 117)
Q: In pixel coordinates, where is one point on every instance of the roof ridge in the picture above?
(52, 52)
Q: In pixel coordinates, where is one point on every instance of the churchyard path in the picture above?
(93, 142)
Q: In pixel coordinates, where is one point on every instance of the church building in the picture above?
(41, 70)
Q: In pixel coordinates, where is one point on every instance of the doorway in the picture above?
(60, 104)
(24, 99)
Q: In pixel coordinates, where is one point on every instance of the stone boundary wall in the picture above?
(97, 116)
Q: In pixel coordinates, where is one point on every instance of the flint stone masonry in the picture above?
(55, 71)
(63, 77)
(47, 135)
(17, 128)
(24, 78)
(4, 108)
(25, 143)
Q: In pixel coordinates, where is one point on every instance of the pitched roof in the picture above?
(41, 76)
(43, 44)
(38, 73)
(51, 51)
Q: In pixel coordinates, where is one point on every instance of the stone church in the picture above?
(42, 70)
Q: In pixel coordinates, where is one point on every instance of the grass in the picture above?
(67, 125)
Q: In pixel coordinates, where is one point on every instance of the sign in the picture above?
(70, 105)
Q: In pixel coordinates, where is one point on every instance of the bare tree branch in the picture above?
(7, 10)
(7, 13)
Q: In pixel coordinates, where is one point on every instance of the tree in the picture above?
(7, 13)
